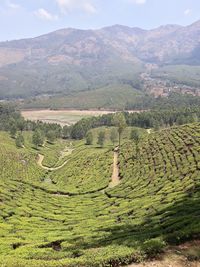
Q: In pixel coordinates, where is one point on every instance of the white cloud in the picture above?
(70, 5)
(187, 12)
(138, 2)
(12, 5)
(44, 14)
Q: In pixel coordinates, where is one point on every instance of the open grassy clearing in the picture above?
(62, 117)
(75, 219)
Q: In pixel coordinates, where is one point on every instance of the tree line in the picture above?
(12, 121)
(173, 101)
(149, 119)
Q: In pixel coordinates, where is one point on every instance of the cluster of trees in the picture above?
(12, 121)
(148, 119)
(173, 101)
(101, 138)
(135, 136)
(119, 121)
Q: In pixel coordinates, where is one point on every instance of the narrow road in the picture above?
(115, 176)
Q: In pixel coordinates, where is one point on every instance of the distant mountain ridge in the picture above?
(69, 60)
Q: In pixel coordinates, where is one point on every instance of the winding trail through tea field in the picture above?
(41, 158)
(115, 179)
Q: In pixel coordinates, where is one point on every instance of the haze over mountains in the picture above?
(71, 60)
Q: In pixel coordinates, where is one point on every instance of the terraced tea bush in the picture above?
(77, 219)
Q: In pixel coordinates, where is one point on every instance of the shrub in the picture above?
(153, 246)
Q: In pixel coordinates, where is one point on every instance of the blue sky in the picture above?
(29, 18)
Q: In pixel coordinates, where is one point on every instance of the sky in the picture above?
(29, 18)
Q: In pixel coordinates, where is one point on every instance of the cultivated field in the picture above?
(62, 117)
(71, 216)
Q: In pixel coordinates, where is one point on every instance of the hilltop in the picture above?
(86, 64)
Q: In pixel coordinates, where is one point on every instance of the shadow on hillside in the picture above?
(177, 223)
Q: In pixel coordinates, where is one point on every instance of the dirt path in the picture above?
(169, 260)
(40, 160)
(115, 176)
(66, 152)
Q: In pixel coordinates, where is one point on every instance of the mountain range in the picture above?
(71, 60)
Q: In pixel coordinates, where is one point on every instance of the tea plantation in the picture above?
(71, 217)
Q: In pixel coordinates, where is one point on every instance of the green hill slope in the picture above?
(77, 220)
(114, 96)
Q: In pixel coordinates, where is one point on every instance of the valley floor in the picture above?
(62, 117)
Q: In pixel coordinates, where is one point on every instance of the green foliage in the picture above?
(182, 74)
(51, 136)
(66, 132)
(13, 131)
(113, 136)
(101, 138)
(89, 138)
(113, 96)
(135, 135)
(19, 141)
(149, 119)
(79, 130)
(173, 101)
(120, 122)
(153, 246)
(70, 216)
(38, 138)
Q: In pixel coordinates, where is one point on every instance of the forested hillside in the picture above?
(71, 68)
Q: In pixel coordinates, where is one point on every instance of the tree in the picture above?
(19, 141)
(38, 138)
(135, 135)
(101, 138)
(89, 138)
(113, 136)
(156, 126)
(21, 124)
(120, 122)
(67, 132)
(51, 136)
(13, 130)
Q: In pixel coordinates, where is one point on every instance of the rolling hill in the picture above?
(71, 216)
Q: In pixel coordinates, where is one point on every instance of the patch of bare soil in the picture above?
(170, 260)
(177, 256)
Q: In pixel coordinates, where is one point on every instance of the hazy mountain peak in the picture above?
(196, 23)
(74, 55)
